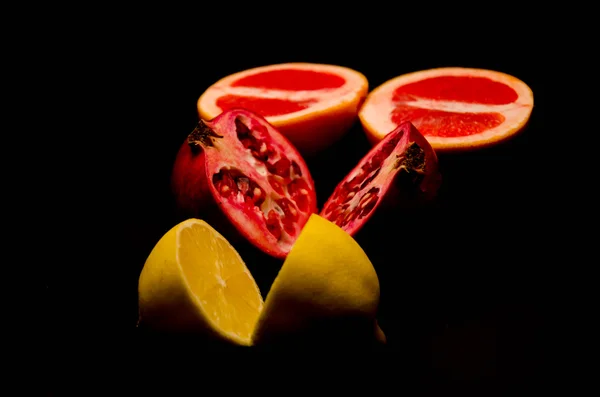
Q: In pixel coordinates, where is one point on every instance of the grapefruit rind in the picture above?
(374, 114)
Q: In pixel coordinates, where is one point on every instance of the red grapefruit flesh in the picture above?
(456, 109)
(313, 105)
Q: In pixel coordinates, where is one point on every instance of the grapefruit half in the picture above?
(313, 105)
(456, 109)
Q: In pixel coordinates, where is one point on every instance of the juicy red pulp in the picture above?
(267, 107)
(253, 174)
(281, 80)
(291, 80)
(399, 159)
(445, 123)
(470, 89)
(285, 178)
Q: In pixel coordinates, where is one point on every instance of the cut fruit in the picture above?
(401, 170)
(313, 105)
(195, 281)
(456, 109)
(326, 293)
(245, 178)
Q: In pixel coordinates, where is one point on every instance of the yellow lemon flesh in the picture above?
(195, 281)
(327, 288)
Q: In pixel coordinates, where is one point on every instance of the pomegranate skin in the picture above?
(216, 172)
(190, 182)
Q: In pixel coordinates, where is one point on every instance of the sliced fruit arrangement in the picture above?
(456, 109)
(327, 291)
(400, 169)
(313, 105)
(238, 170)
(195, 281)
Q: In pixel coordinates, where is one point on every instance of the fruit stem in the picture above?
(412, 161)
(202, 135)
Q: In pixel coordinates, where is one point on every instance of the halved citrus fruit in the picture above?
(195, 281)
(313, 105)
(327, 292)
(456, 109)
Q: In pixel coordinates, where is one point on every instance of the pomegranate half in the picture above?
(401, 169)
(239, 169)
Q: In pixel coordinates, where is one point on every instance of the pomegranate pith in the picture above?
(403, 166)
(239, 168)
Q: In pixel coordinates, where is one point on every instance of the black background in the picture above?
(462, 302)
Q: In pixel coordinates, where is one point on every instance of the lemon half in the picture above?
(327, 292)
(195, 281)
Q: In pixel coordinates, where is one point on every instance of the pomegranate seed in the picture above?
(293, 211)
